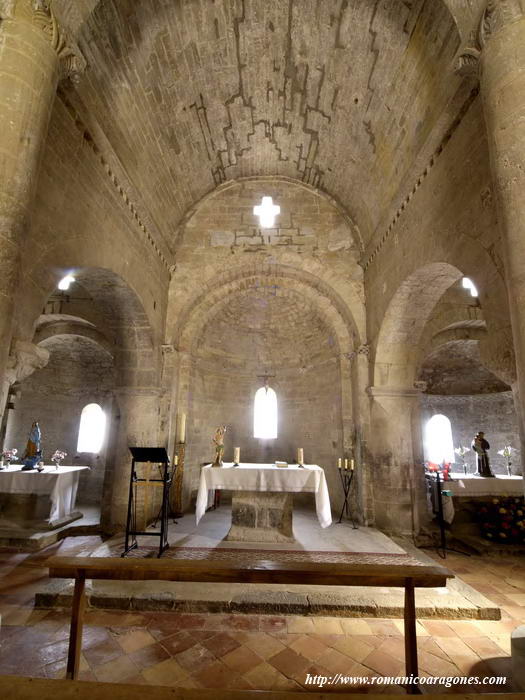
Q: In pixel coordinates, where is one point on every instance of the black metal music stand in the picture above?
(154, 455)
(434, 482)
(347, 476)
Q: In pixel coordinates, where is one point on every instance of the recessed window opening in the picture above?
(92, 429)
(265, 414)
(439, 446)
(66, 282)
(469, 284)
(267, 211)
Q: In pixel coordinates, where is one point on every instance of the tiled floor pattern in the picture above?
(251, 651)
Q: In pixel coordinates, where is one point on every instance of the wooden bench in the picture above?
(262, 571)
(16, 688)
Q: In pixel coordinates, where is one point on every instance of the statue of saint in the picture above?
(480, 447)
(218, 440)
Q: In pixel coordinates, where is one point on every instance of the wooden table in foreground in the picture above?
(265, 571)
(262, 501)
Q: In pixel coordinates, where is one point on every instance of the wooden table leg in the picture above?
(75, 633)
(411, 664)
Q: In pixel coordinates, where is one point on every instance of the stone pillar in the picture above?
(135, 423)
(397, 476)
(502, 83)
(33, 56)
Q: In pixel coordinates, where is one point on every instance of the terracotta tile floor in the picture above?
(251, 651)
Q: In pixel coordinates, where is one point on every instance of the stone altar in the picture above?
(262, 501)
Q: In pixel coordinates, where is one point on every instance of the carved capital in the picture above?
(361, 350)
(496, 15)
(39, 14)
(25, 358)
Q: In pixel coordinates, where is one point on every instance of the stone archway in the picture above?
(280, 320)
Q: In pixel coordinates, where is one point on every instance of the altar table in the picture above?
(59, 485)
(473, 486)
(273, 481)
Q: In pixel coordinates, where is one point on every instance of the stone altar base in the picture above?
(259, 516)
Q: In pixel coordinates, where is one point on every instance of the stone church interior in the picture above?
(262, 322)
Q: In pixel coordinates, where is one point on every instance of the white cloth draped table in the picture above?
(60, 484)
(266, 477)
(478, 486)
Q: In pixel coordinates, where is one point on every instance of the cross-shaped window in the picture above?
(267, 211)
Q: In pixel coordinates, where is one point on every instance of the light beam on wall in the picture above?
(267, 211)
(66, 282)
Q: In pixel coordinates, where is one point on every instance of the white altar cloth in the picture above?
(266, 477)
(478, 486)
(61, 484)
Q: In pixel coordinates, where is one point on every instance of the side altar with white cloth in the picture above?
(44, 499)
(262, 498)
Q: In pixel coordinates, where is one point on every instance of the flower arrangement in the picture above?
(443, 469)
(58, 456)
(461, 452)
(507, 453)
(503, 520)
(9, 455)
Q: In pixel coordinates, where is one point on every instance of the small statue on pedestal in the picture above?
(218, 440)
(480, 447)
(33, 453)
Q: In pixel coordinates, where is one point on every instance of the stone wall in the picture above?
(79, 372)
(493, 413)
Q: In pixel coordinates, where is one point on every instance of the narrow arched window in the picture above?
(265, 414)
(439, 446)
(92, 429)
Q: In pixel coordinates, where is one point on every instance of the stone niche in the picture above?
(472, 398)
(274, 330)
(79, 372)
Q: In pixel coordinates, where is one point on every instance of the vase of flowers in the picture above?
(461, 452)
(507, 453)
(57, 457)
(8, 456)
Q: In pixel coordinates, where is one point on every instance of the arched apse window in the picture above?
(265, 414)
(439, 446)
(92, 429)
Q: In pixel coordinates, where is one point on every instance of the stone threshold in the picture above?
(296, 600)
(26, 540)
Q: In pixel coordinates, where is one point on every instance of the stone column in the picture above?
(502, 83)
(397, 476)
(33, 56)
(134, 423)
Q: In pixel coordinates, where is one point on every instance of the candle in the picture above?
(339, 463)
(352, 464)
(176, 460)
(236, 455)
(346, 463)
(182, 427)
(300, 455)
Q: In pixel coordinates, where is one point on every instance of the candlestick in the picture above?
(182, 428)
(339, 463)
(300, 455)
(236, 455)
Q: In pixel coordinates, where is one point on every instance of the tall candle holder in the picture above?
(180, 451)
(347, 476)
